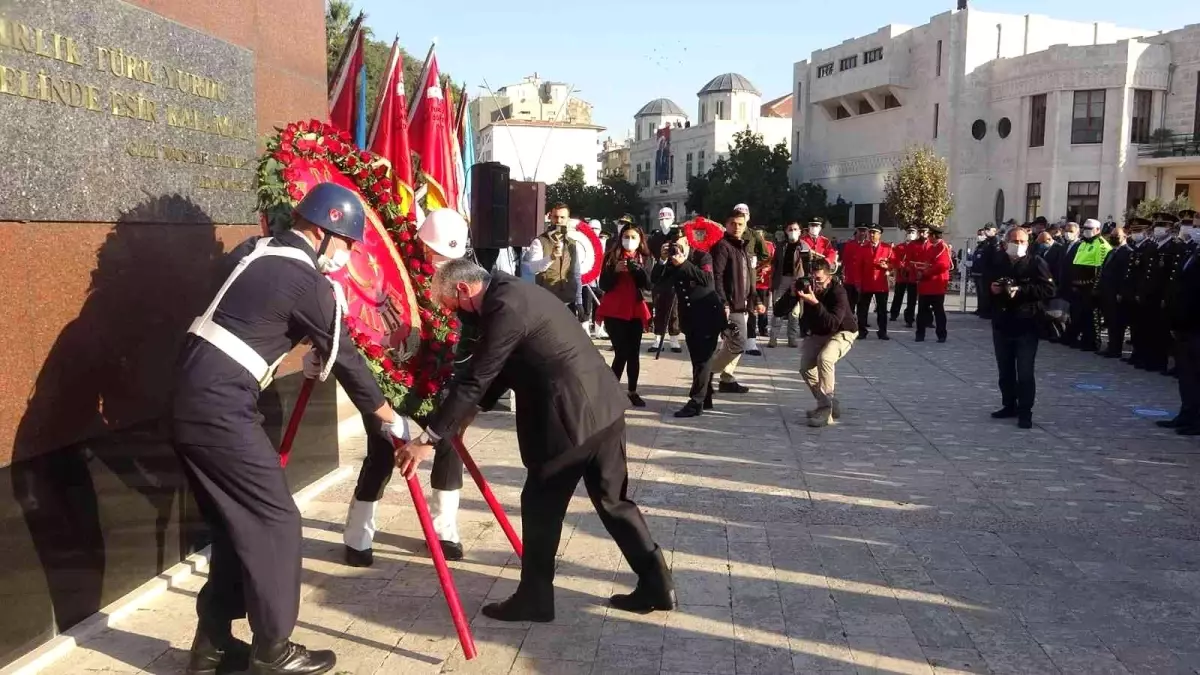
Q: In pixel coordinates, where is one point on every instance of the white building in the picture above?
(728, 104)
(539, 151)
(1035, 116)
(532, 99)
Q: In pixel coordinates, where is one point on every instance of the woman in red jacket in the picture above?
(932, 265)
(623, 309)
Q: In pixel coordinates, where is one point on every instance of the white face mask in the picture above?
(629, 243)
(1072, 236)
(911, 236)
(327, 265)
(1090, 234)
(1138, 237)
(1185, 232)
(665, 224)
(1016, 250)
(814, 231)
(1160, 233)
(793, 235)
(980, 238)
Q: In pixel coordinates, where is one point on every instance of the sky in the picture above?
(621, 54)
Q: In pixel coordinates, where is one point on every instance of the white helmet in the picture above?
(445, 232)
(595, 225)
(665, 213)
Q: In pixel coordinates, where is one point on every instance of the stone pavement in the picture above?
(917, 536)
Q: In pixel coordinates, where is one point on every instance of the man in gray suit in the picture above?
(570, 426)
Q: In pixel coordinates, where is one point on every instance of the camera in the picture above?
(1006, 282)
(803, 285)
(672, 249)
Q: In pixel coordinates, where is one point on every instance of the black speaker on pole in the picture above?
(489, 206)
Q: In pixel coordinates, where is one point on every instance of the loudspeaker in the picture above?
(526, 211)
(489, 206)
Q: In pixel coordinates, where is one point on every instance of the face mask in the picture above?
(980, 238)
(793, 236)
(665, 224)
(912, 236)
(1016, 250)
(991, 234)
(1089, 234)
(1138, 237)
(1185, 232)
(814, 231)
(629, 243)
(1072, 236)
(1160, 233)
(328, 265)
(1195, 235)
(462, 306)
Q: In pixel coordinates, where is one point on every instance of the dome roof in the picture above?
(660, 106)
(729, 82)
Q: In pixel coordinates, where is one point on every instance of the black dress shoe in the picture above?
(1173, 423)
(883, 336)
(1025, 422)
(1005, 413)
(862, 334)
(1110, 355)
(732, 388)
(636, 401)
(655, 589)
(677, 350)
(941, 339)
(290, 658)
(689, 409)
(919, 338)
(708, 404)
(520, 608)
(753, 352)
(357, 558)
(451, 550)
(908, 324)
(216, 657)
(1188, 431)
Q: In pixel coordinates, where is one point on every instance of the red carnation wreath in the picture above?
(702, 233)
(410, 374)
(588, 276)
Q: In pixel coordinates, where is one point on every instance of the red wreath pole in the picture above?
(443, 570)
(486, 490)
(285, 446)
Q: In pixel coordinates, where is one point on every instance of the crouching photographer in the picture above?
(701, 314)
(1022, 283)
(831, 330)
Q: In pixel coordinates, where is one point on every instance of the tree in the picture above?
(697, 188)
(571, 189)
(811, 202)
(917, 191)
(1148, 207)
(752, 174)
(610, 200)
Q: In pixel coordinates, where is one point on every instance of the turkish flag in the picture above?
(388, 137)
(430, 135)
(343, 91)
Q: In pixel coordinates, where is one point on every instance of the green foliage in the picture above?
(610, 200)
(1148, 207)
(752, 174)
(917, 191)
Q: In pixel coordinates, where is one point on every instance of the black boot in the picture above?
(289, 658)
(217, 652)
(1007, 412)
(655, 588)
(708, 397)
(524, 605)
(357, 558)
(733, 387)
(689, 409)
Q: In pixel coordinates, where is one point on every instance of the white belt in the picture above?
(236, 349)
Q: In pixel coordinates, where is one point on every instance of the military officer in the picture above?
(275, 296)
(1133, 289)
(1161, 282)
(1108, 289)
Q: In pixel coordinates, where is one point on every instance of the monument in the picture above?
(131, 134)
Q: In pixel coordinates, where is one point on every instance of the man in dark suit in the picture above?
(1185, 325)
(570, 426)
(1116, 310)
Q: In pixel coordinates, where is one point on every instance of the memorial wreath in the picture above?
(407, 338)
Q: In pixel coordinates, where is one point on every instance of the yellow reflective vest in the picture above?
(1092, 253)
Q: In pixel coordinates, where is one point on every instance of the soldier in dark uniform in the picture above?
(662, 298)
(1134, 287)
(1112, 305)
(1185, 326)
(275, 297)
(1172, 253)
(690, 277)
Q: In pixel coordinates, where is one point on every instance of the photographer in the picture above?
(1022, 284)
(700, 313)
(623, 310)
(832, 330)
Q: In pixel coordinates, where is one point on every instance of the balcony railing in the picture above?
(1174, 145)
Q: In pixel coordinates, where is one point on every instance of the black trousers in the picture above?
(931, 309)
(983, 296)
(377, 466)
(1015, 355)
(666, 312)
(1084, 318)
(600, 463)
(626, 338)
(1187, 361)
(901, 291)
(243, 495)
(1158, 336)
(1116, 317)
(701, 347)
(852, 296)
(881, 310)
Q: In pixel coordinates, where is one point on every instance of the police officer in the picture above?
(1134, 287)
(1108, 290)
(275, 297)
(1161, 278)
(444, 232)
(1185, 324)
(690, 278)
(1083, 275)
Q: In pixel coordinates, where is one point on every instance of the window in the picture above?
(825, 70)
(840, 113)
(700, 171)
(937, 111)
(796, 146)
(703, 113)
(1182, 190)
(863, 213)
(873, 55)
(1083, 201)
(1140, 129)
(1135, 194)
(998, 211)
(864, 108)
(689, 165)
(671, 173)
(938, 63)
(1033, 201)
(742, 111)
(848, 63)
(890, 102)
(1004, 128)
(979, 130)
(1037, 121)
(650, 131)
(1087, 117)
(720, 110)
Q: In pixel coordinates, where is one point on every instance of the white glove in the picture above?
(313, 365)
(402, 429)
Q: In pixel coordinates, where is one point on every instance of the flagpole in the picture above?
(419, 93)
(393, 63)
(354, 27)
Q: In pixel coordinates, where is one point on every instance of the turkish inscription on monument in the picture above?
(105, 106)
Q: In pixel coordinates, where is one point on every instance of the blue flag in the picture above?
(360, 117)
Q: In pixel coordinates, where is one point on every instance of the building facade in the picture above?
(614, 160)
(1035, 116)
(540, 151)
(669, 149)
(531, 100)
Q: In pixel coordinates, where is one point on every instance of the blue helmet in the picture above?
(335, 209)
